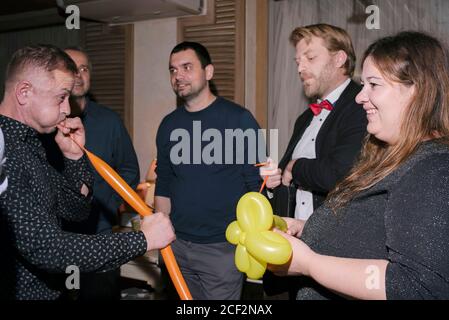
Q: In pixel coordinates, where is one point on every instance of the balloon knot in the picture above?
(242, 238)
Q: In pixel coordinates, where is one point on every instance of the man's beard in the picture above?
(187, 97)
(192, 94)
(322, 79)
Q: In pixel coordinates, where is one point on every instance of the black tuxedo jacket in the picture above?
(337, 145)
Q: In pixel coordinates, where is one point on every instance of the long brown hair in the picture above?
(409, 58)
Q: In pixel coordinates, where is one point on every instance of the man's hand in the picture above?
(273, 172)
(287, 176)
(68, 129)
(158, 231)
(274, 180)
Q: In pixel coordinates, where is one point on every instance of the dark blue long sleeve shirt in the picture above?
(107, 138)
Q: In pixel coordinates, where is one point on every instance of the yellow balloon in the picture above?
(268, 246)
(257, 268)
(242, 258)
(254, 212)
(279, 223)
(233, 232)
(253, 267)
(256, 244)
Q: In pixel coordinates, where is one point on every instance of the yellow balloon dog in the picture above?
(256, 244)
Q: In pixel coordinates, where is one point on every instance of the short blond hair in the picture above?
(335, 39)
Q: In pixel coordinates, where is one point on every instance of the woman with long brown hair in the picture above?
(383, 233)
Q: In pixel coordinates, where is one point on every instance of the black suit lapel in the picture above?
(346, 98)
(301, 125)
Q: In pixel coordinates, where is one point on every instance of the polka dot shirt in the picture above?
(37, 250)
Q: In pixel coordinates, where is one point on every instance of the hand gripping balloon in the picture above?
(256, 244)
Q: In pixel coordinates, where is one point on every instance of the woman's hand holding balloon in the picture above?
(256, 244)
(300, 261)
(294, 226)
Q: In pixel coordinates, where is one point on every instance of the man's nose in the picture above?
(179, 75)
(65, 107)
(301, 67)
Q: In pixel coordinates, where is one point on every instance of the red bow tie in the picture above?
(317, 107)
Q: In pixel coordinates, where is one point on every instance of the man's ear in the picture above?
(22, 92)
(340, 58)
(209, 72)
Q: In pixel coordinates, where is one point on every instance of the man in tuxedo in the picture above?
(328, 136)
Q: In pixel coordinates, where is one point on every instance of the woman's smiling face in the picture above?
(384, 101)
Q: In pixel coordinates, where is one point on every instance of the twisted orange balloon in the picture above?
(131, 197)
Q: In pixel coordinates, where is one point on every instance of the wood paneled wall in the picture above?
(111, 53)
(222, 32)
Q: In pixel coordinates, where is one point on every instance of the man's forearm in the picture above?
(162, 204)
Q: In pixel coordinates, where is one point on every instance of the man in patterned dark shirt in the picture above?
(3, 178)
(35, 251)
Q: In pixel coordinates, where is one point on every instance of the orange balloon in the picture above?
(131, 197)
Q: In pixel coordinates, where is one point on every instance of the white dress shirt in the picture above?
(306, 149)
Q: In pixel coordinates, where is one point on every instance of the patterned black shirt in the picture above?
(34, 250)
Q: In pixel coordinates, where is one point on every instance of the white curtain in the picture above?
(285, 98)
